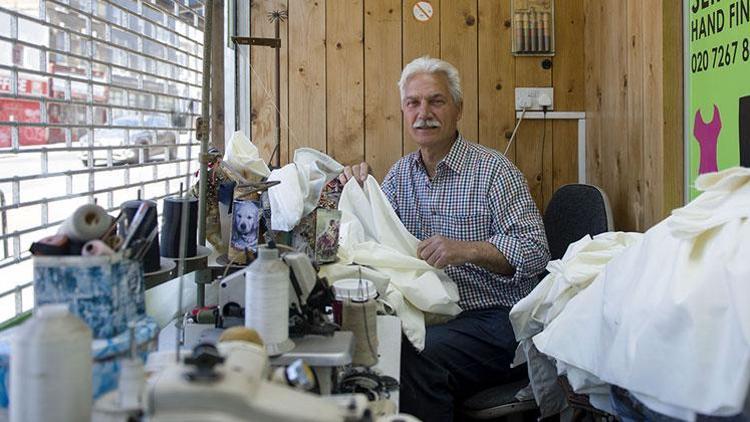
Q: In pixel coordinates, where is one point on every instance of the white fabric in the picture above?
(242, 155)
(667, 319)
(582, 262)
(301, 184)
(371, 234)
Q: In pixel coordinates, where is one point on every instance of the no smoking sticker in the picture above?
(422, 11)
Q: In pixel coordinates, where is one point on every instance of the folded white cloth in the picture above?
(371, 234)
(301, 184)
(582, 262)
(667, 319)
(242, 156)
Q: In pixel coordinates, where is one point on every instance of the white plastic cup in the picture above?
(352, 289)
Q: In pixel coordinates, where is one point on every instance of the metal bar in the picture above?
(205, 98)
(13, 290)
(4, 227)
(46, 100)
(92, 148)
(69, 79)
(277, 148)
(90, 192)
(95, 39)
(581, 150)
(108, 22)
(259, 41)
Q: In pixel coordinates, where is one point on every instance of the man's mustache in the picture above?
(425, 124)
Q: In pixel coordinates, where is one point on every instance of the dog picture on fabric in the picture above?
(245, 225)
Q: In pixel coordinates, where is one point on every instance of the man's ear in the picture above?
(460, 110)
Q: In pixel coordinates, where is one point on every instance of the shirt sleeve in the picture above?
(519, 228)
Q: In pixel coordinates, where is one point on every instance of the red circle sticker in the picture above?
(422, 11)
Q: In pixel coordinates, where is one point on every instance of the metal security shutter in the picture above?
(97, 101)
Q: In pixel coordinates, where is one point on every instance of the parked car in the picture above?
(137, 136)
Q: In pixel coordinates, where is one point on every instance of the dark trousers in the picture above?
(461, 357)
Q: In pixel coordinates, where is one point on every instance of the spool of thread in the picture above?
(267, 300)
(359, 317)
(96, 248)
(151, 261)
(87, 222)
(171, 226)
(50, 369)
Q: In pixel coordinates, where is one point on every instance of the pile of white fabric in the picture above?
(302, 181)
(372, 235)
(668, 318)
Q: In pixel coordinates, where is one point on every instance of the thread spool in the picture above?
(96, 248)
(87, 222)
(51, 368)
(151, 261)
(267, 300)
(172, 224)
(359, 317)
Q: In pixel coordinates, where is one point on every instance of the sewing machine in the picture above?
(232, 386)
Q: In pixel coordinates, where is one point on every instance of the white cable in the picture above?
(515, 129)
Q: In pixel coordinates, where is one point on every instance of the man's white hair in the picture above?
(427, 64)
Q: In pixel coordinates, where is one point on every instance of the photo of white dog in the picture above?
(245, 226)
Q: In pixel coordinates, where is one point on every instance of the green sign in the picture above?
(718, 86)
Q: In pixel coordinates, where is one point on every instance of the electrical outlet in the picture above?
(533, 98)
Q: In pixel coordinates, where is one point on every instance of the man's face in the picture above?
(430, 113)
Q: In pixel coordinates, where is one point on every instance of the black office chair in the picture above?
(573, 211)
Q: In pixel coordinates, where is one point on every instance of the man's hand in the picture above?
(439, 251)
(357, 171)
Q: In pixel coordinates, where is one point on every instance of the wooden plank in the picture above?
(345, 81)
(568, 83)
(458, 45)
(307, 74)
(262, 81)
(673, 160)
(383, 127)
(634, 84)
(496, 76)
(530, 150)
(594, 9)
(419, 39)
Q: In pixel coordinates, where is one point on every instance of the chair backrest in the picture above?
(574, 211)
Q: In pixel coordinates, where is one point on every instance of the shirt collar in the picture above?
(454, 160)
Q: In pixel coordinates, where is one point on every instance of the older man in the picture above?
(472, 210)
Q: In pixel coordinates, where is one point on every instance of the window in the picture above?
(98, 100)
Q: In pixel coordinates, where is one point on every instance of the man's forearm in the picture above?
(487, 256)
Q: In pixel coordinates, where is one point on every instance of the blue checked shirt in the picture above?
(476, 195)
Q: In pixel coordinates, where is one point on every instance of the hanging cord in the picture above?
(515, 129)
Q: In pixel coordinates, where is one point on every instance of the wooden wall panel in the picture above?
(262, 72)
(634, 107)
(568, 82)
(496, 76)
(418, 39)
(458, 45)
(533, 137)
(634, 84)
(307, 74)
(345, 80)
(383, 127)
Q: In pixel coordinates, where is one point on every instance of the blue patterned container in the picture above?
(104, 291)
